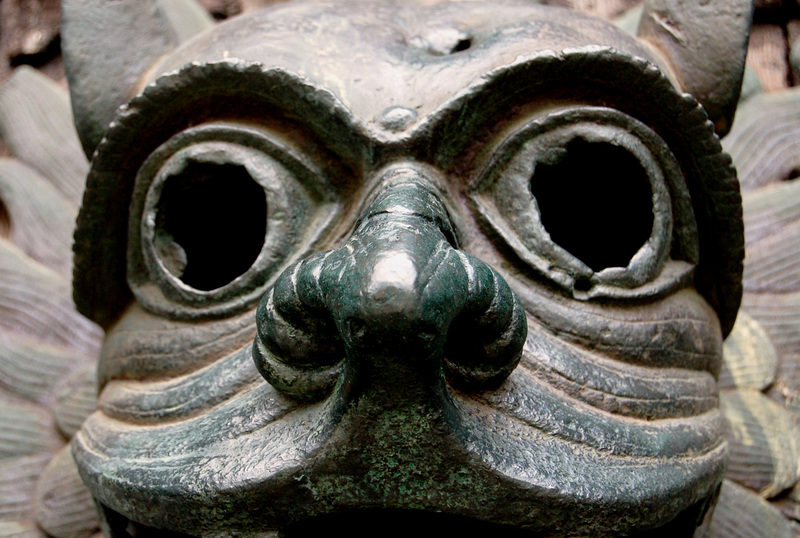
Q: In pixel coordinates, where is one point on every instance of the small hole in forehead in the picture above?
(443, 41)
(461, 45)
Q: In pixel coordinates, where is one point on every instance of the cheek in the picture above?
(154, 371)
(144, 346)
(679, 331)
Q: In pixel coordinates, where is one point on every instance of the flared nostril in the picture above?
(297, 346)
(355, 329)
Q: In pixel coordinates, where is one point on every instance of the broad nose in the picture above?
(392, 308)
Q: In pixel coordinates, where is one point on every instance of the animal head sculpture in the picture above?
(483, 253)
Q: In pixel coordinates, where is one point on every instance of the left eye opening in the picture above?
(594, 201)
(210, 223)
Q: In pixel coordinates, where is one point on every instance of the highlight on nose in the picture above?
(391, 280)
(393, 271)
(385, 303)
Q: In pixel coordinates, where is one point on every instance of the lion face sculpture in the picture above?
(364, 264)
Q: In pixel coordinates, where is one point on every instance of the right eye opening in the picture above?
(595, 201)
(211, 224)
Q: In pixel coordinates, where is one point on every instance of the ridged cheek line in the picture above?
(182, 397)
(647, 392)
(263, 413)
(144, 346)
(523, 397)
(680, 331)
(541, 407)
(252, 412)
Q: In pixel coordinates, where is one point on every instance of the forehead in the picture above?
(376, 55)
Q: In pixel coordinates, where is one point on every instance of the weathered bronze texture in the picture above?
(483, 253)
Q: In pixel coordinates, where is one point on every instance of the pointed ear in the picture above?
(108, 47)
(705, 43)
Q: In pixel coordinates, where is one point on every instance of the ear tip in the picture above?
(705, 43)
(723, 118)
(108, 46)
(88, 134)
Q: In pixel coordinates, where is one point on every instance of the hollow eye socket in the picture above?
(595, 201)
(211, 223)
(217, 211)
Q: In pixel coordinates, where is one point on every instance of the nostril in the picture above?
(355, 328)
(297, 348)
(485, 342)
